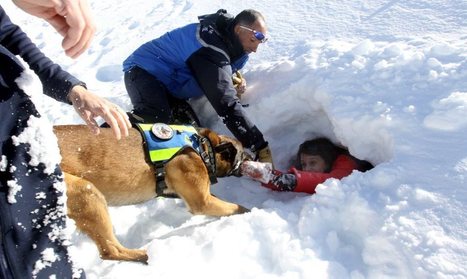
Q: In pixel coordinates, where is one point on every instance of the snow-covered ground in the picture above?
(388, 79)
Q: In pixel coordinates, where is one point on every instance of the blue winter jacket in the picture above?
(199, 59)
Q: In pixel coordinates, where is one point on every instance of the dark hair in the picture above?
(248, 17)
(329, 151)
(322, 147)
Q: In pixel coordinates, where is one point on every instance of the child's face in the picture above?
(312, 163)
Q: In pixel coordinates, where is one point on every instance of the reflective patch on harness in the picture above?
(162, 131)
(163, 144)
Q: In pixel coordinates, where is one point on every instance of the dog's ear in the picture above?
(211, 135)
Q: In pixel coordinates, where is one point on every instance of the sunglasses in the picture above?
(258, 35)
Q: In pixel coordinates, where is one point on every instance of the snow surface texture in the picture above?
(387, 79)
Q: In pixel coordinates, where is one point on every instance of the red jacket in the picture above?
(307, 181)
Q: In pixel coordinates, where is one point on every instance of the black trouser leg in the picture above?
(32, 209)
(149, 96)
(153, 102)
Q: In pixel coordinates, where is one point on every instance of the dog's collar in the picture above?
(209, 158)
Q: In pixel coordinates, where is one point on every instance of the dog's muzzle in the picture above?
(239, 159)
(235, 155)
(236, 170)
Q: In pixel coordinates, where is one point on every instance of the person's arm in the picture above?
(56, 82)
(268, 176)
(89, 106)
(214, 75)
(72, 19)
(281, 181)
(295, 180)
(307, 181)
(59, 84)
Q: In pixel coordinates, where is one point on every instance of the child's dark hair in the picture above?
(329, 151)
(322, 147)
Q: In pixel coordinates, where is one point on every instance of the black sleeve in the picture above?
(214, 75)
(56, 82)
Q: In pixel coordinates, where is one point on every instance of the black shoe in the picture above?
(184, 115)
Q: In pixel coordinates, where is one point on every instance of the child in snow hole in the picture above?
(317, 160)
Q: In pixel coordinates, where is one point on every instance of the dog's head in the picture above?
(229, 153)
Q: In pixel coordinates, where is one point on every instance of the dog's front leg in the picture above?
(87, 206)
(187, 176)
(214, 206)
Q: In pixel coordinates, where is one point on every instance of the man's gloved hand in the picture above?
(239, 83)
(264, 155)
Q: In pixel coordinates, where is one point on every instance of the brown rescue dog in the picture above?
(101, 171)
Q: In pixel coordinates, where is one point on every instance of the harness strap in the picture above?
(160, 179)
(207, 155)
(209, 159)
(159, 169)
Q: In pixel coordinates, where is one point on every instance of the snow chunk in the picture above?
(461, 166)
(3, 163)
(443, 50)
(48, 257)
(14, 188)
(364, 48)
(450, 113)
(43, 144)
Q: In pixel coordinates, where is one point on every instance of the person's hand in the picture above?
(269, 177)
(71, 18)
(89, 106)
(239, 83)
(257, 171)
(282, 182)
(265, 155)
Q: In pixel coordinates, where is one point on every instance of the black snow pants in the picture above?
(32, 201)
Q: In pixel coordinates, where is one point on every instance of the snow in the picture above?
(48, 257)
(38, 134)
(13, 189)
(3, 163)
(387, 79)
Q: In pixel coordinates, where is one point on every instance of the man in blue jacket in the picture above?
(195, 60)
(32, 205)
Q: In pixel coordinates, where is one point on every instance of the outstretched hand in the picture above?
(89, 106)
(258, 171)
(71, 18)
